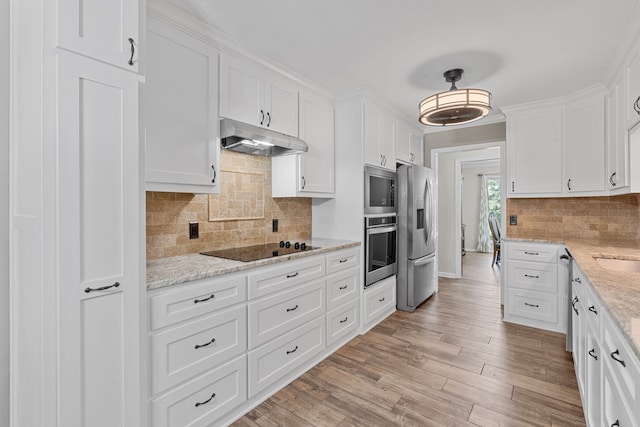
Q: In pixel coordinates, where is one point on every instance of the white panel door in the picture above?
(416, 155)
(241, 91)
(99, 283)
(105, 30)
(317, 130)
(534, 142)
(372, 117)
(585, 145)
(181, 112)
(281, 106)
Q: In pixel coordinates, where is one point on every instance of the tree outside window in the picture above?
(493, 192)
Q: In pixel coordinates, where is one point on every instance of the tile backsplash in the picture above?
(169, 214)
(614, 217)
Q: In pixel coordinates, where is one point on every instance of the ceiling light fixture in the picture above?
(456, 106)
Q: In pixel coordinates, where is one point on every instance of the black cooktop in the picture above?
(256, 252)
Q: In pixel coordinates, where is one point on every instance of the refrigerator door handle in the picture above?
(428, 200)
(424, 260)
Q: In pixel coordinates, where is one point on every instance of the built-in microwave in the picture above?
(379, 191)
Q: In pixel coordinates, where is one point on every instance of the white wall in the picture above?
(471, 184)
(4, 213)
(446, 207)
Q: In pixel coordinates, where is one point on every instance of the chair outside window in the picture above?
(495, 235)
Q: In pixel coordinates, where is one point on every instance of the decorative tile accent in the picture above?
(169, 214)
(614, 217)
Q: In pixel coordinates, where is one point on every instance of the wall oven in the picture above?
(380, 248)
(379, 191)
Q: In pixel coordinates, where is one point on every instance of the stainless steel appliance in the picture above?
(417, 237)
(379, 191)
(380, 248)
(251, 139)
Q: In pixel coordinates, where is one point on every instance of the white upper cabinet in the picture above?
(251, 94)
(617, 147)
(408, 143)
(309, 174)
(584, 144)
(181, 112)
(99, 285)
(632, 90)
(534, 150)
(105, 30)
(380, 128)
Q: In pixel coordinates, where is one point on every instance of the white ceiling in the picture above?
(519, 50)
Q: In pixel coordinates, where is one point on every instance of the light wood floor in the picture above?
(452, 362)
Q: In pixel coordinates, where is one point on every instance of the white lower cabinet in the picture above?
(202, 401)
(535, 287)
(379, 301)
(278, 358)
(220, 346)
(607, 370)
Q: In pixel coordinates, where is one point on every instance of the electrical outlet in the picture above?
(193, 230)
(513, 219)
(274, 225)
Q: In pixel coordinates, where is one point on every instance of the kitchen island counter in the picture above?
(619, 291)
(170, 271)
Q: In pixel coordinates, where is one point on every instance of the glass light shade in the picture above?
(455, 107)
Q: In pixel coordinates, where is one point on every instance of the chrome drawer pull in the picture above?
(620, 361)
(292, 351)
(592, 353)
(195, 301)
(531, 253)
(593, 310)
(289, 276)
(342, 288)
(133, 51)
(531, 277)
(343, 260)
(206, 401)
(292, 309)
(204, 345)
(532, 305)
(103, 288)
(345, 319)
(380, 300)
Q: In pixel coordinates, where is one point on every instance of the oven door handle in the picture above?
(381, 230)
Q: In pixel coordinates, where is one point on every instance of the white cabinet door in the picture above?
(181, 112)
(632, 90)
(100, 290)
(250, 94)
(617, 148)
(403, 142)
(106, 30)
(317, 130)
(417, 148)
(534, 144)
(379, 136)
(584, 143)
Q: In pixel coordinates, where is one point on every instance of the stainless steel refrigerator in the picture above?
(417, 237)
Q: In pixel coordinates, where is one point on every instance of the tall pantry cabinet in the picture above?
(77, 214)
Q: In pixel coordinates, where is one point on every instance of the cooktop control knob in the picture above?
(296, 245)
(287, 244)
(281, 244)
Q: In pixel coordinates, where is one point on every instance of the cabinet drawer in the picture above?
(282, 312)
(532, 252)
(533, 305)
(341, 260)
(623, 364)
(342, 287)
(279, 357)
(182, 352)
(379, 299)
(202, 401)
(285, 275)
(167, 307)
(534, 276)
(342, 321)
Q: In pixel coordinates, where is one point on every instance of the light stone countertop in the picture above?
(619, 291)
(184, 268)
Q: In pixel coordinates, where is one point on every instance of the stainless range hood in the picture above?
(251, 139)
